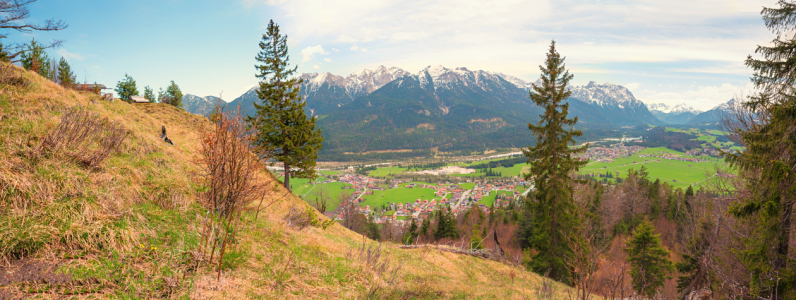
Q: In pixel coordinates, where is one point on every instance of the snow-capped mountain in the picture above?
(200, 105)
(355, 84)
(678, 114)
(442, 77)
(714, 115)
(685, 108)
(616, 102)
(659, 107)
(604, 94)
(390, 108)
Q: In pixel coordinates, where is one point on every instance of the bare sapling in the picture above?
(233, 176)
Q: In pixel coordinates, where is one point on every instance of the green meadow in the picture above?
(303, 188)
(398, 195)
(386, 171)
(490, 199)
(676, 173)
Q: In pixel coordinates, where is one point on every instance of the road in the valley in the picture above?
(461, 199)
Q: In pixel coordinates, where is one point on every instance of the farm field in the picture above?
(386, 171)
(330, 172)
(490, 199)
(308, 192)
(332, 190)
(676, 173)
(300, 186)
(397, 195)
(467, 186)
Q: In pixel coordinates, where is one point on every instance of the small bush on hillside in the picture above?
(232, 175)
(84, 136)
(10, 75)
(300, 219)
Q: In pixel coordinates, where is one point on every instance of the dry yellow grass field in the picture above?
(126, 228)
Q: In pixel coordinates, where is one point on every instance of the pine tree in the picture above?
(411, 234)
(35, 59)
(552, 163)
(769, 159)
(126, 88)
(424, 227)
(649, 260)
(149, 94)
(475, 240)
(171, 96)
(65, 76)
(280, 122)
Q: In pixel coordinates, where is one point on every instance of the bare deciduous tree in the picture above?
(14, 15)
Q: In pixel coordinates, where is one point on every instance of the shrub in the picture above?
(84, 136)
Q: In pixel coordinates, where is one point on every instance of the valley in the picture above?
(393, 189)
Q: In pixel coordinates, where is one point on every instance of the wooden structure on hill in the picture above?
(92, 88)
(138, 99)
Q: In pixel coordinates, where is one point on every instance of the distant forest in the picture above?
(659, 137)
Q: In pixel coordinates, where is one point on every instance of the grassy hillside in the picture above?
(129, 227)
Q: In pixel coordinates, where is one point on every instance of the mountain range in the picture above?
(714, 115)
(450, 109)
(678, 114)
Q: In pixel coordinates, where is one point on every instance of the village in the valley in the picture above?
(459, 194)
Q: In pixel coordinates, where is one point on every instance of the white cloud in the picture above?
(69, 55)
(309, 52)
(316, 67)
(641, 42)
(327, 59)
(703, 97)
(356, 48)
(275, 2)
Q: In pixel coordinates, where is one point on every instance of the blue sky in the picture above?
(677, 51)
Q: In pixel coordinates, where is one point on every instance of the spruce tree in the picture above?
(552, 162)
(172, 95)
(65, 75)
(280, 123)
(769, 159)
(649, 260)
(149, 94)
(35, 59)
(126, 88)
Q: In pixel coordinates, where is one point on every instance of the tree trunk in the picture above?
(287, 177)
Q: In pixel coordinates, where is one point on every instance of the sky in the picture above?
(674, 51)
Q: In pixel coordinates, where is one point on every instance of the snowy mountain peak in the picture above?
(604, 94)
(355, 84)
(659, 107)
(684, 108)
(727, 105)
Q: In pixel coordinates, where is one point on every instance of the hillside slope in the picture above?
(128, 228)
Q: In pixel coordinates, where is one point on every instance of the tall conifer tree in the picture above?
(149, 94)
(65, 75)
(769, 159)
(126, 88)
(35, 59)
(649, 260)
(552, 164)
(281, 123)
